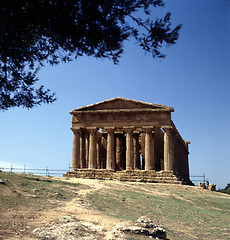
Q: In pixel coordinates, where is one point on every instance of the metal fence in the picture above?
(57, 172)
(200, 178)
(36, 171)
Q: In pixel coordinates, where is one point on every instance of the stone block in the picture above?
(212, 187)
(202, 185)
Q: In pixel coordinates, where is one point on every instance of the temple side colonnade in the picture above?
(123, 135)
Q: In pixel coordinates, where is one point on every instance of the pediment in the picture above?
(119, 103)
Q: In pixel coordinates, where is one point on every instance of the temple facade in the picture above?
(128, 140)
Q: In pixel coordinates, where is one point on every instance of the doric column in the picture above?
(142, 151)
(76, 149)
(149, 149)
(98, 150)
(129, 149)
(103, 151)
(119, 151)
(92, 148)
(87, 149)
(82, 149)
(168, 164)
(110, 153)
(136, 145)
(186, 159)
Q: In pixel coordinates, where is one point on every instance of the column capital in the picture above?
(92, 129)
(75, 130)
(110, 129)
(187, 141)
(148, 129)
(128, 129)
(167, 129)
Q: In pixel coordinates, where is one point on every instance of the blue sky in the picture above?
(194, 79)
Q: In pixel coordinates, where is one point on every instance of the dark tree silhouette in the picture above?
(34, 32)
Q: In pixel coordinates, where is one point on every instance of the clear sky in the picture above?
(194, 79)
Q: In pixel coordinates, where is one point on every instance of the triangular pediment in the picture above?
(119, 103)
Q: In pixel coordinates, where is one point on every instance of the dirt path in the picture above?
(78, 207)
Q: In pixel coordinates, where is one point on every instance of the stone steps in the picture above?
(132, 175)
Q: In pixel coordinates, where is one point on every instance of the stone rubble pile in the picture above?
(143, 226)
(68, 227)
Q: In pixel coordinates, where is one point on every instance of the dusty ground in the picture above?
(78, 207)
(18, 222)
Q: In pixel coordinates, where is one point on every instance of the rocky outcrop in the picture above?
(143, 226)
(68, 227)
(212, 187)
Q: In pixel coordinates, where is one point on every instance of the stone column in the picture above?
(92, 148)
(129, 149)
(149, 149)
(82, 149)
(168, 164)
(110, 153)
(103, 151)
(143, 150)
(186, 159)
(76, 149)
(137, 163)
(98, 150)
(87, 149)
(119, 151)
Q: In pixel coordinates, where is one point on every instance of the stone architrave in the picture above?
(92, 148)
(129, 149)
(110, 153)
(149, 148)
(76, 149)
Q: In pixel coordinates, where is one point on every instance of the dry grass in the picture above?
(186, 212)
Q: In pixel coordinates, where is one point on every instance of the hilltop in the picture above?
(28, 202)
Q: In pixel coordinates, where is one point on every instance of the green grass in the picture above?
(177, 210)
(186, 212)
(25, 190)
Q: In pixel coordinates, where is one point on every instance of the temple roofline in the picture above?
(159, 107)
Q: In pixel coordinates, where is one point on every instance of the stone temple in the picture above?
(128, 140)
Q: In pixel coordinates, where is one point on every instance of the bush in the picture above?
(226, 189)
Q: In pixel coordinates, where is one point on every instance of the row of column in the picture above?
(80, 160)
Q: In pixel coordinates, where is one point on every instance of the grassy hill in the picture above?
(186, 212)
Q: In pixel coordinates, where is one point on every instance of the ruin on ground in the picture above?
(128, 140)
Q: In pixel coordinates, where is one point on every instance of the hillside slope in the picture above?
(186, 212)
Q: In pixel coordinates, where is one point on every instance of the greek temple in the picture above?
(128, 140)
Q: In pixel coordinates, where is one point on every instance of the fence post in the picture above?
(47, 171)
(11, 168)
(24, 168)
